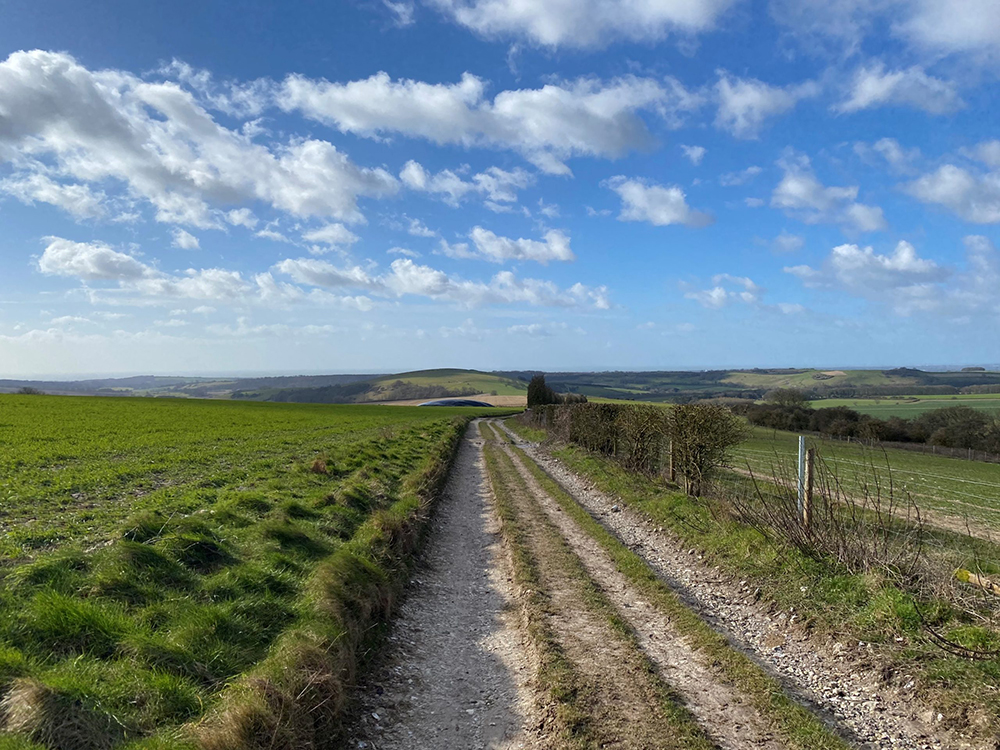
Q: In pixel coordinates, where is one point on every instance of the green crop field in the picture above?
(155, 551)
(949, 487)
(912, 406)
(480, 382)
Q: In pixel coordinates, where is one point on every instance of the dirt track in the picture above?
(461, 672)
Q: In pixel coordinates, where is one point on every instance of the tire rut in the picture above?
(842, 680)
(719, 707)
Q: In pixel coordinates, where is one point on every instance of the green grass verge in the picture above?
(798, 726)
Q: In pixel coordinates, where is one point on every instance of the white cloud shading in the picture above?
(334, 236)
(718, 296)
(185, 240)
(803, 196)
(874, 86)
(899, 159)
(972, 195)
(585, 23)
(555, 247)
(745, 104)
(77, 200)
(658, 204)
(402, 12)
(548, 125)
(495, 184)
(694, 154)
(742, 177)
(408, 278)
(158, 141)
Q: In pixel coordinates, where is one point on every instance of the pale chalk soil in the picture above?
(457, 672)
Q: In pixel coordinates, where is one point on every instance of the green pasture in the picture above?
(953, 487)
(908, 407)
(481, 382)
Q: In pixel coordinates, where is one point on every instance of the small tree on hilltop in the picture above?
(702, 436)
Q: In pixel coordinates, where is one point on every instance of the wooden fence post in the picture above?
(810, 478)
(671, 470)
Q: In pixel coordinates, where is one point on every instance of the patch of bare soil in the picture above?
(721, 710)
(845, 678)
(457, 672)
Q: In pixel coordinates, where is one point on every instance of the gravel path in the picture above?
(732, 723)
(842, 678)
(456, 673)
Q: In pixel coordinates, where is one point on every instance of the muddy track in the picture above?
(720, 709)
(456, 673)
(843, 679)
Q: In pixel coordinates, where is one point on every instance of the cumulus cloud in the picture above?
(659, 205)
(788, 243)
(728, 288)
(90, 261)
(402, 12)
(159, 141)
(584, 23)
(972, 195)
(78, 200)
(418, 229)
(495, 184)
(547, 125)
(334, 236)
(874, 86)
(405, 278)
(803, 196)
(555, 247)
(745, 104)
(185, 240)
(694, 153)
(910, 284)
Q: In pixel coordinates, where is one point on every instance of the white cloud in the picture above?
(988, 152)
(754, 202)
(788, 243)
(585, 23)
(90, 261)
(718, 296)
(899, 159)
(548, 210)
(933, 27)
(746, 103)
(659, 205)
(418, 229)
(402, 12)
(185, 240)
(160, 142)
(973, 196)
(78, 200)
(242, 217)
(499, 249)
(694, 153)
(910, 284)
(874, 86)
(742, 177)
(497, 185)
(801, 195)
(408, 278)
(404, 251)
(547, 125)
(329, 237)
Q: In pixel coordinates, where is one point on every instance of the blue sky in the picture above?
(573, 184)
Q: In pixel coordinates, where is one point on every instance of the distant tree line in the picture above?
(951, 427)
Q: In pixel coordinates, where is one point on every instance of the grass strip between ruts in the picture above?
(796, 724)
(686, 732)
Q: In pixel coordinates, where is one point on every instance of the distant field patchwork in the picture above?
(908, 407)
